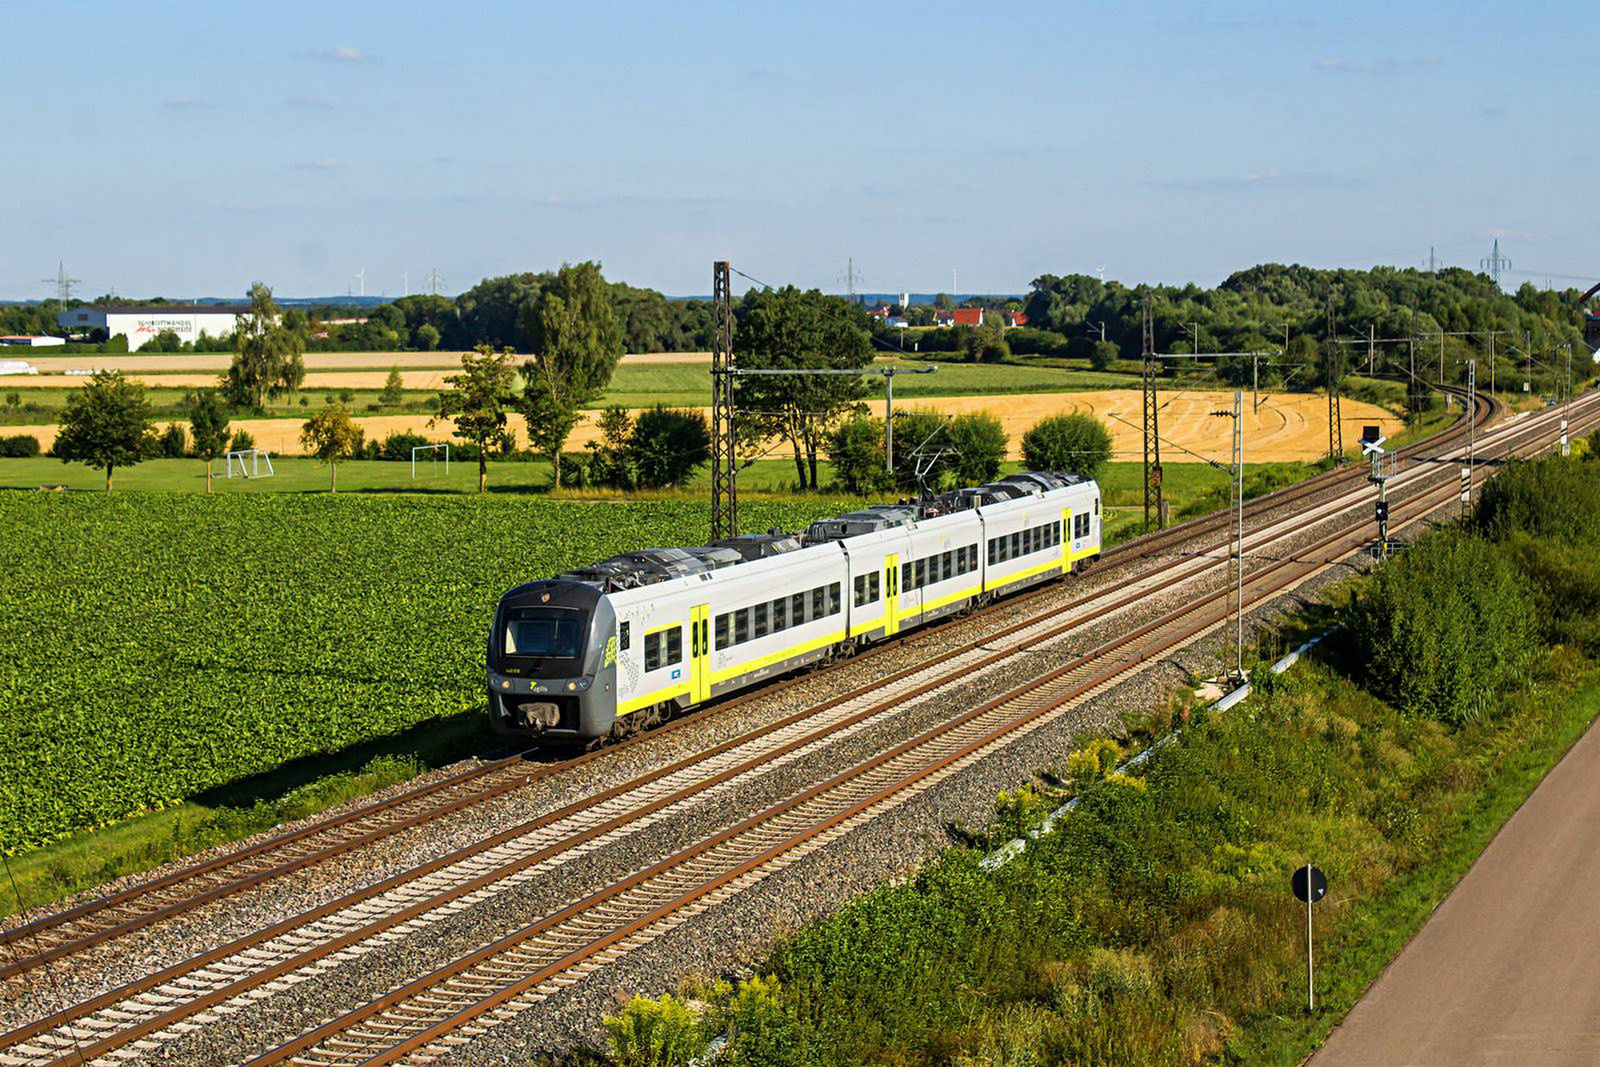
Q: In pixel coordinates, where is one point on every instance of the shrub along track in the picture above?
(456, 880)
(102, 920)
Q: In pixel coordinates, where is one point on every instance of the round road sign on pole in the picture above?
(1309, 884)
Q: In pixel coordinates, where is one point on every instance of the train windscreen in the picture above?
(545, 633)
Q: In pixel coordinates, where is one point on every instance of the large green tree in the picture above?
(267, 354)
(477, 402)
(668, 445)
(106, 424)
(208, 423)
(791, 329)
(575, 343)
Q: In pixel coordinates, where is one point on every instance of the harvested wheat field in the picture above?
(1290, 426)
(316, 378)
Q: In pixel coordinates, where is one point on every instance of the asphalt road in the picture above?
(1507, 970)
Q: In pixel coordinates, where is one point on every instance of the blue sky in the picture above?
(187, 149)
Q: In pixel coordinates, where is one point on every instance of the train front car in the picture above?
(552, 661)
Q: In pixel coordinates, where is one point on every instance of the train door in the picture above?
(891, 591)
(1066, 540)
(700, 653)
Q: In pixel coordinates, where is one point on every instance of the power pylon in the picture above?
(1152, 432)
(724, 459)
(62, 283)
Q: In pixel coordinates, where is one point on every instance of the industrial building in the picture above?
(141, 323)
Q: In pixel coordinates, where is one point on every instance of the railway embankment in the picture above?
(1154, 924)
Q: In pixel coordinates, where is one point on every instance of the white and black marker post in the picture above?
(1309, 885)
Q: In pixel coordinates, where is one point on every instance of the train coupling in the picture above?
(539, 715)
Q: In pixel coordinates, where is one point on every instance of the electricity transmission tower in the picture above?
(1494, 262)
(62, 283)
(1152, 434)
(850, 277)
(724, 460)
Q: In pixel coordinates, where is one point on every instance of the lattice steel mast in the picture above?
(724, 458)
(1152, 434)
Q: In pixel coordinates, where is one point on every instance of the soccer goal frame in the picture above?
(430, 448)
(256, 458)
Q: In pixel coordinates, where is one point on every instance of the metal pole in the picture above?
(888, 421)
(1255, 384)
(1311, 986)
(1238, 463)
(1472, 424)
(1566, 404)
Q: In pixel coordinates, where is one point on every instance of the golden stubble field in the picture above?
(1288, 426)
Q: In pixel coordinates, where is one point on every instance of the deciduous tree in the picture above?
(393, 388)
(575, 343)
(668, 445)
(477, 401)
(106, 425)
(330, 435)
(208, 424)
(790, 329)
(267, 360)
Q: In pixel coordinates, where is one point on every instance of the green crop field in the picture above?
(689, 384)
(159, 645)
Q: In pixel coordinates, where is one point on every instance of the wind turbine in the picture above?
(405, 283)
(1101, 270)
(361, 280)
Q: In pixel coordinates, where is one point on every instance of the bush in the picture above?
(1077, 443)
(21, 446)
(668, 445)
(1104, 355)
(656, 1033)
(173, 442)
(1442, 628)
(241, 441)
(1026, 341)
(1552, 498)
(980, 445)
(397, 446)
(855, 450)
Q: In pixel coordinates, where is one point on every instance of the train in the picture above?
(618, 646)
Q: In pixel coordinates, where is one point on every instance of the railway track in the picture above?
(162, 1001)
(436, 1014)
(102, 920)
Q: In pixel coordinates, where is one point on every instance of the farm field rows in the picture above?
(161, 645)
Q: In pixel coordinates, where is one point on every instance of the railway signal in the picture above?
(1310, 885)
(1372, 445)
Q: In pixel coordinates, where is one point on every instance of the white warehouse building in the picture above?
(140, 323)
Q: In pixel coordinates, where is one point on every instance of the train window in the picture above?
(1097, 505)
(741, 626)
(817, 608)
(873, 588)
(947, 566)
(1055, 528)
(922, 573)
(622, 636)
(797, 609)
(780, 615)
(860, 586)
(674, 645)
(724, 625)
(1016, 545)
(652, 651)
(908, 574)
(991, 552)
(760, 620)
(833, 599)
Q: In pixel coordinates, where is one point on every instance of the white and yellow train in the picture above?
(616, 646)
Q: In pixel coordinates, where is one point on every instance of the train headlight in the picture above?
(505, 683)
(572, 685)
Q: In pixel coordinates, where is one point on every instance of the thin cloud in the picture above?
(1261, 181)
(182, 103)
(1355, 66)
(325, 163)
(312, 103)
(343, 53)
(1381, 65)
